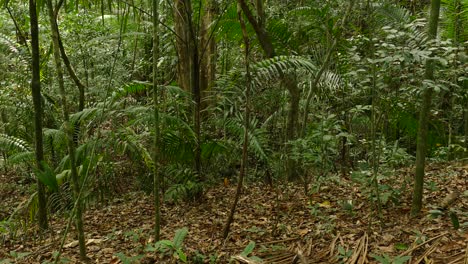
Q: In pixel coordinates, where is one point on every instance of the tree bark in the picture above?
(424, 113)
(156, 180)
(182, 44)
(207, 50)
(68, 130)
(38, 112)
(191, 66)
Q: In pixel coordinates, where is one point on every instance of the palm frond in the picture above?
(275, 67)
(257, 136)
(176, 147)
(330, 81)
(391, 15)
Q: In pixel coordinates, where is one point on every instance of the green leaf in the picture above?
(248, 249)
(19, 255)
(47, 176)
(181, 255)
(401, 260)
(454, 220)
(401, 246)
(150, 248)
(435, 213)
(179, 237)
(164, 245)
(385, 259)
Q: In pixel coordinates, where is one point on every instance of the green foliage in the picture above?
(47, 176)
(248, 250)
(455, 24)
(344, 254)
(172, 247)
(129, 259)
(185, 184)
(16, 257)
(387, 193)
(385, 259)
(13, 144)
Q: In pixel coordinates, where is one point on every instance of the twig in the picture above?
(428, 252)
(457, 260)
(360, 248)
(366, 246)
(333, 244)
(266, 243)
(422, 244)
(466, 254)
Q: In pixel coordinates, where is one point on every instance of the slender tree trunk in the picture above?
(38, 112)
(74, 77)
(246, 129)
(157, 180)
(466, 120)
(68, 130)
(196, 93)
(421, 147)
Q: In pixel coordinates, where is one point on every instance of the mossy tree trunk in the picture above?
(38, 112)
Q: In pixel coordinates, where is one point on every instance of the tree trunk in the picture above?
(465, 117)
(246, 130)
(157, 180)
(182, 44)
(189, 60)
(38, 112)
(68, 129)
(207, 49)
(196, 94)
(421, 147)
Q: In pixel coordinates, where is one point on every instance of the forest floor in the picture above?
(338, 224)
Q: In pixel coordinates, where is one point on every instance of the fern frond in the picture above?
(58, 136)
(455, 22)
(330, 81)
(392, 15)
(257, 137)
(10, 143)
(85, 115)
(22, 157)
(7, 41)
(273, 68)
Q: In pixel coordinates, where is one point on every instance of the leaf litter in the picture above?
(337, 224)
